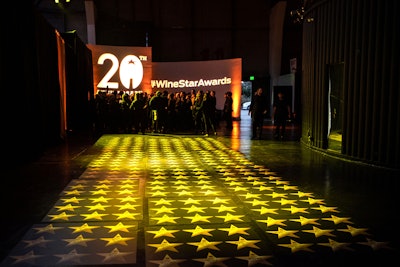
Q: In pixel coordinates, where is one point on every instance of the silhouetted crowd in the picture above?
(159, 112)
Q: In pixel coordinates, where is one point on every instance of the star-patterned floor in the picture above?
(165, 200)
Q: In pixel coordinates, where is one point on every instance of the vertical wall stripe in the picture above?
(364, 35)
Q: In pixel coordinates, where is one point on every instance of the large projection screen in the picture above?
(217, 75)
(124, 68)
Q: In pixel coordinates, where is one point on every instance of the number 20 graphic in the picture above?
(130, 71)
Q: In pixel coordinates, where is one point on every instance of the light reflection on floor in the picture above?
(189, 201)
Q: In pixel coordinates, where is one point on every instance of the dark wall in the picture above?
(31, 113)
(188, 30)
(363, 35)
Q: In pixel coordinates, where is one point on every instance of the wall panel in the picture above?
(363, 35)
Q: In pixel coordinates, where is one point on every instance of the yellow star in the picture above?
(165, 218)
(79, 240)
(319, 232)
(269, 173)
(279, 182)
(83, 228)
(40, 241)
(159, 177)
(162, 201)
(126, 215)
(232, 230)
(302, 194)
(294, 210)
(230, 217)
(100, 199)
(181, 187)
(223, 208)
(253, 259)
(211, 260)
(114, 255)
(336, 246)
(98, 206)
(289, 187)
(179, 173)
(178, 182)
(129, 181)
(304, 221)
(260, 167)
(256, 182)
(337, 220)
(105, 181)
(199, 231)
(128, 199)
(218, 200)
(190, 201)
(158, 194)
(71, 200)
(235, 183)
(325, 209)
(119, 227)
(257, 202)
(61, 216)
(73, 192)
(100, 192)
(240, 188)
(29, 256)
(227, 179)
(283, 233)
(203, 182)
(355, 231)
(271, 221)
(285, 201)
(185, 193)
(78, 186)
(181, 177)
(265, 210)
(156, 182)
(127, 186)
(47, 229)
(195, 209)
(199, 218)
(68, 207)
(228, 173)
(205, 244)
(163, 232)
(165, 245)
(94, 215)
(244, 243)
(157, 187)
(127, 206)
(73, 255)
(167, 261)
(313, 201)
(164, 209)
(294, 246)
(251, 195)
(272, 177)
(211, 193)
(117, 239)
(264, 188)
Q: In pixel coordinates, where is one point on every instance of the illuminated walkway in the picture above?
(148, 200)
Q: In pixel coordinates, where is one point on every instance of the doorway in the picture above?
(335, 106)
